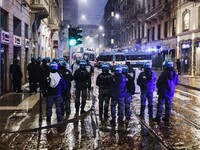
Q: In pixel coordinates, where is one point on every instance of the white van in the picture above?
(112, 58)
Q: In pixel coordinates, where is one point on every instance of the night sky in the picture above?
(93, 11)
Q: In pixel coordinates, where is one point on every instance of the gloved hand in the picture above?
(45, 94)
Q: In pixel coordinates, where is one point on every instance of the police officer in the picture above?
(82, 79)
(104, 93)
(118, 93)
(16, 76)
(166, 84)
(146, 80)
(90, 69)
(130, 86)
(67, 75)
(33, 76)
(54, 88)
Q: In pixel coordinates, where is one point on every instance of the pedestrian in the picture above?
(178, 65)
(54, 88)
(16, 76)
(90, 69)
(32, 75)
(44, 73)
(166, 84)
(130, 87)
(104, 94)
(118, 93)
(67, 75)
(146, 80)
(131, 71)
(82, 80)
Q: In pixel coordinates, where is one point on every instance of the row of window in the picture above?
(17, 24)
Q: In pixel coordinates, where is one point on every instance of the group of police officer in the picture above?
(120, 88)
(57, 88)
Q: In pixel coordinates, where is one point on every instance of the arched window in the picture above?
(186, 20)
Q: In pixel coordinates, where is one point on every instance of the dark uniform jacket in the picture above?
(118, 85)
(82, 79)
(67, 75)
(130, 85)
(146, 80)
(16, 72)
(167, 82)
(58, 90)
(103, 80)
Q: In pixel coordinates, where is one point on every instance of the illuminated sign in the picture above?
(185, 45)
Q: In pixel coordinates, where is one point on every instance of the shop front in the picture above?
(185, 57)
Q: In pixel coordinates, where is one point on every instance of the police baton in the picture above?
(40, 107)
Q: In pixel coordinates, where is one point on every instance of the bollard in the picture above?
(40, 107)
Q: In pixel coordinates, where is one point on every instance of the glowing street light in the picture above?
(83, 16)
(117, 16)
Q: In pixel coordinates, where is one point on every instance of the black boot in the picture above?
(83, 106)
(150, 112)
(142, 109)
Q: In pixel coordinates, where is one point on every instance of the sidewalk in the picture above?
(20, 112)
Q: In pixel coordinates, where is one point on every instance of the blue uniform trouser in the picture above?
(104, 98)
(120, 102)
(66, 103)
(160, 106)
(58, 101)
(146, 95)
(77, 100)
(128, 100)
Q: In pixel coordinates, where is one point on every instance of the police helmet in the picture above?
(53, 66)
(117, 69)
(82, 63)
(105, 67)
(62, 63)
(124, 68)
(147, 65)
(168, 63)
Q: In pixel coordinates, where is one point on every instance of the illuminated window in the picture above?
(112, 14)
(186, 20)
(112, 41)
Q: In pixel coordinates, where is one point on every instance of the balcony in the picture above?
(39, 6)
(53, 24)
(158, 12)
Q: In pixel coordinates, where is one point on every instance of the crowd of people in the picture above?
(116, 89)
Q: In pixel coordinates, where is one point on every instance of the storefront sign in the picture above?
(185, 45)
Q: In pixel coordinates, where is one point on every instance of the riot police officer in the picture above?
(67, 75)
(83, 80)
(146, 80)
(104, 94)
(54, 88)
(166, 84)
(130, 86)
(118, 93)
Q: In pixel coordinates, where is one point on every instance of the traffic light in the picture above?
(78, 36)
(72, 36)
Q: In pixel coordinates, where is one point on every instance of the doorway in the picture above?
(4, 50)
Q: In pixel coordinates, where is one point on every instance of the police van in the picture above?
(112, 58)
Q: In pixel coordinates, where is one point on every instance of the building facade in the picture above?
(188, 36)
(170, 28)
(27, 30)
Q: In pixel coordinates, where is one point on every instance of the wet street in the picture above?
(20, 128)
